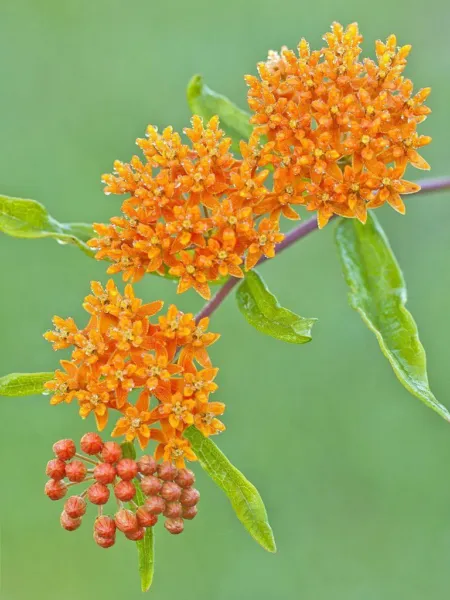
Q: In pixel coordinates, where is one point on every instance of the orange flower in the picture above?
(266, 238)
(324, 110)
(119, 351)
(63, 336)
(206, 418)
(135, 422)
(175, 450)
(178, 410)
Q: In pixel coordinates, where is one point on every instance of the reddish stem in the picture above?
(427, 185)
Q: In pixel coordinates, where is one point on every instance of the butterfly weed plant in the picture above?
(327, 131)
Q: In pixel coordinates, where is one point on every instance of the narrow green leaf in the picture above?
(24, 384)
(206, 103)
(243, 495)
(29, 219)
(262, 310)
(378, 293)
(145, 547)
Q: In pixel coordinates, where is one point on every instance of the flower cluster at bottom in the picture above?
(168, 490)
(121, 350)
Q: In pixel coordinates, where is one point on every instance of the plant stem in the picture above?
(299, 232)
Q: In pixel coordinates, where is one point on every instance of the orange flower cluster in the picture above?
(340, 132)
(120, 351)
(191, 209)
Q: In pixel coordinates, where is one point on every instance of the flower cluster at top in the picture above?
(340, 132)
(120, 351)
(337, 132)
(191, 210)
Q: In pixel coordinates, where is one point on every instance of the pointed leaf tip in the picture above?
(262, 310)
(24, 384)
(22, 218)
(378, 293)
(244, 497)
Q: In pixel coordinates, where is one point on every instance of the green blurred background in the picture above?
(354, 471)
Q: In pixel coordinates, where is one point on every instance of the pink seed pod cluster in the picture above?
(168, 490)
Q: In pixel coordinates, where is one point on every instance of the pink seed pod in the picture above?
(76, 471)
(104, 473)
(126, 520)
(155, 505)
(185, 478)
(151, 485)
(189, 512)
(137, 535)
(111, 452)
(174, 526)
(189, 497)
(105, 526)
(56, 469)
(170, 491)
(146, 465)
(167, 471)
(124, 491)
(91, 443)
(173, 510)
(104, 542)
(55, 490)
(68, 523)
(64, 449)
(145, 519)
(127, 469)
(98, 493)
(75, 507)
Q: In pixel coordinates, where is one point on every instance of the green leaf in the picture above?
(128, 450)
(145, 547)
(29, 219)
(262, 310)
(244, 497)
(206, 103)
(378, 293)
(24, 384)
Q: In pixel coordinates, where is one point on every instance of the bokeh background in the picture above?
(353, 470)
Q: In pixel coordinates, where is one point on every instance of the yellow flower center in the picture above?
(354, 187)
(232, 220)
(263, 240)
(370, 110)
(154, 240)
(187, 224)
(386, 181)
(365, 139)
(190, 269)
(318, 153)
(135, 423)
(334, 110)
(325, 197)
(178, 409)
(222, 255)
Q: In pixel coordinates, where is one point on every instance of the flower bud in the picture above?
(189, 497)
(137, 535)
(111, 452)
(145, 519)
(127, 469)
(75, 507)
(185, 478)
(64, 449)
(167, 471)
(105, 527)
(151, 485)
(56, 469)
(173, 510)
(55, 490)
(126, 520)
(104, 542)
(170, 491)
(147, 465)
(174, 526)
(189, 512)
(155, 505)
(98, 493)
(104, 473)
(124, 491)
(91, 443)
(76, 471)
(69, 523)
